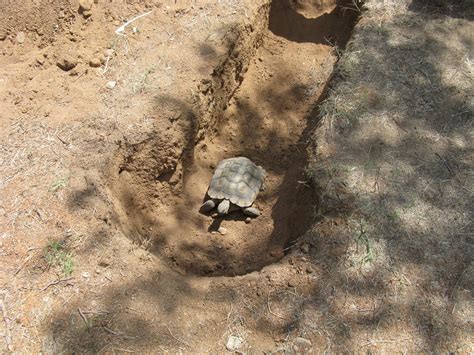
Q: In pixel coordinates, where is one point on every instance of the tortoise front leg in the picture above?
(208, 206)
(223, 207)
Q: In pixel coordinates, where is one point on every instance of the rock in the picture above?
(305, 248)
(104, 263)
(302, 342)
(87, 13)
(86, 275)
(85, 5)
(276, 251)
(109, 52)
(67, 62)
(248, 220)
(40, 60)
(111, 84)
(233, 343)
(20, 37)
(95, 62)
(291, 283)
(309, 269)
(222, 230)
(3, 35)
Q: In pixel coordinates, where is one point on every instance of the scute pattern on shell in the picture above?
(238, 180)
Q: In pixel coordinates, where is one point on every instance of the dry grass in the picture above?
(393, 158)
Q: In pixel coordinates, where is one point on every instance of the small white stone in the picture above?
(222, 230)
(111, 84)
(303, 342)
(109, 52)
(234, 343)
(86, 275)
(20, 37)
(86, 4)
(305, 248)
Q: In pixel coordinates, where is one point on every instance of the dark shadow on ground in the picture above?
(463, 9)
(330, 28)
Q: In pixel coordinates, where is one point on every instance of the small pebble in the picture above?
(86, 275)
(40, 60)
(104, 263)
(95, 62)
(291, 283)
(67, 62)
(233, 343)
(87, 13)
(20, 37)
(276, 252)
(303, 342)
(222, 230)
(109, 52)
(248, 220)
(305, 248)
(111, 84)
(3, 35)
(86, 4)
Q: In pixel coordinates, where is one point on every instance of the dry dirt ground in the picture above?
(108, 143)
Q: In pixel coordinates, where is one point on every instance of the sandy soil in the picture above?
(108, 143)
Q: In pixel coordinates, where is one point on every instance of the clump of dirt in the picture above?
(161, 184)
(313, 8)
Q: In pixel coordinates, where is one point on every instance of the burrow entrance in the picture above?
(267, 119)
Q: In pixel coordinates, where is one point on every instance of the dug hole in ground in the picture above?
(111, 131)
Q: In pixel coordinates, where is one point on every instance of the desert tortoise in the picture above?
(235, 185)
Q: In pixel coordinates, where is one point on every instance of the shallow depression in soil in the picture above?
(267, 120)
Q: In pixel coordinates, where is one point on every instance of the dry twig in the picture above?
(6, 320)
(84, 318)
(56, 282)
(456, 286)
(372, 342)
(119, 334)
(121, 29)
(23, 264)
(177, 339)
(270, 310)
(446, 164)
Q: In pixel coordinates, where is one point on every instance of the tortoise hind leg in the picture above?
(208, 206)
(251, 211)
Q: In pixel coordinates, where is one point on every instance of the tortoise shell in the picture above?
(238, 180)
